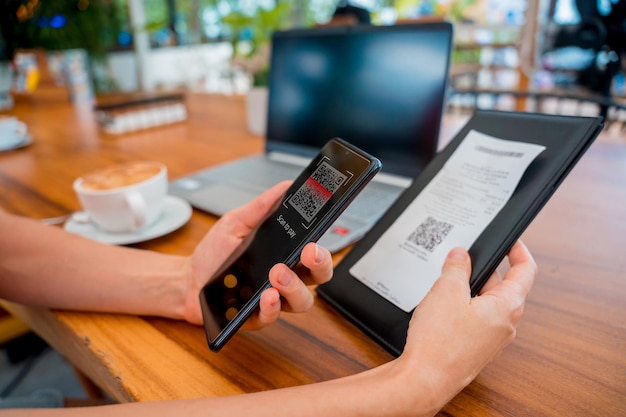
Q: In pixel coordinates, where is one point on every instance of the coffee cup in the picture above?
(124, 198)
(12, 131)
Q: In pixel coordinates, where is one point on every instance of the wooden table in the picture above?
(569, 358)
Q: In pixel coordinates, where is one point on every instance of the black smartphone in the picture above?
(307, 209)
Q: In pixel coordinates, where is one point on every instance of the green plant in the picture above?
(251, 35)
(92, 25)
(10, 36)
(56, 25)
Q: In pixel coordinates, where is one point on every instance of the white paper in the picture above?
(452, 210)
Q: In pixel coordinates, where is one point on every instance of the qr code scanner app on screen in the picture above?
(316, 191)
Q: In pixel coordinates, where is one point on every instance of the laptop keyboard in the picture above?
(372, 204)
(258, 175)
(266, 175)
(373, 201)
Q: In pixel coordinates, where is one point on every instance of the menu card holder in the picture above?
(565, 138)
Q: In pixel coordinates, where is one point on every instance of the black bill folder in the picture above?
(359, 288)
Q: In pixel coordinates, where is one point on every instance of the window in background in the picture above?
(189, 22)
(320, 11)
(159, 15)
(241, 25)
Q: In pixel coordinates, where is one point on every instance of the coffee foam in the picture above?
(120, 176)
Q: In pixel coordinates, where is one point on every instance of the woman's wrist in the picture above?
(418, 391)
(164, 286)
(191, 287)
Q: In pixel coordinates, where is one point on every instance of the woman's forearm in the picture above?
(379, 392)
(451, 337)
(46, 266)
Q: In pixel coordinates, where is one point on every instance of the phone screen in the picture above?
(315, 199)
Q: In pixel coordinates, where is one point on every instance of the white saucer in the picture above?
(176, 212)
(16, 143)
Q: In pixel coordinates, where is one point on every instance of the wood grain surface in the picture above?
(569, 357)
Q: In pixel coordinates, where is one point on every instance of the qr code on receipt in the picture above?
(317, 190)
(430, 233)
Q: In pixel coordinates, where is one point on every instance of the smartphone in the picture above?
(307, 209)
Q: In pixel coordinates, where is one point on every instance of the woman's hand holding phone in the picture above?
(306, 210)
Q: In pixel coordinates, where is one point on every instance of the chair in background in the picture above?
(549, 102)
(10, 327)
(544, 87)
(604, 33)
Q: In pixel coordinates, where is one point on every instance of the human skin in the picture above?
(45, 266)
(451, 337)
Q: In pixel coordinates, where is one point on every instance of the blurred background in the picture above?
(519, 47)
(552, 56)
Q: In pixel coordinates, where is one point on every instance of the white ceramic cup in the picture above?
(124, 198)
(12, 131)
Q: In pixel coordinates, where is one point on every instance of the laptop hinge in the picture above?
(289, 159)
(392, 179)
(381, 177)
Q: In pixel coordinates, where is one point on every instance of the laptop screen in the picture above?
(380, 88)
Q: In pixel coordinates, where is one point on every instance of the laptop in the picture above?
(380, 88)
